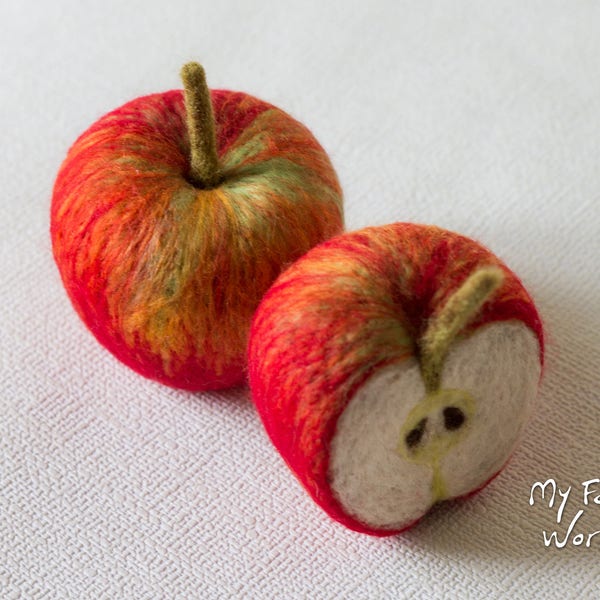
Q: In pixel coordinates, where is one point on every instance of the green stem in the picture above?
(204, 162)
(459, 310)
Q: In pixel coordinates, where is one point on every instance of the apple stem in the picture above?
(204, 162)
(460, 308)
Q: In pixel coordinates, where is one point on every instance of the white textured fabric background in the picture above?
(483, 117)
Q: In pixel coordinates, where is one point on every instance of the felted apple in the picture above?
(173, 214)
(395, 367)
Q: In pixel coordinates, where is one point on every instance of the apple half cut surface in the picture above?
(395, 367)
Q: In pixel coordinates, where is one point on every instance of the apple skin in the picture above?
(165, 275)
(347, 310)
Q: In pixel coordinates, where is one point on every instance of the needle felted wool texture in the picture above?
(395, 367)
(168, 224)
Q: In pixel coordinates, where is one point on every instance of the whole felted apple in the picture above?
(395, 367)
(173, 214)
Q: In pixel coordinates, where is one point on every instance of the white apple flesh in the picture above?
(397, 450)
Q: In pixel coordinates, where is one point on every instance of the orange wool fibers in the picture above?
(165, 274)
(348, 308)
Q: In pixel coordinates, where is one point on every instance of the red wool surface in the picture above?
(349, 307)
(168, 276)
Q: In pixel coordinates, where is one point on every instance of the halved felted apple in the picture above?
(395, 367)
